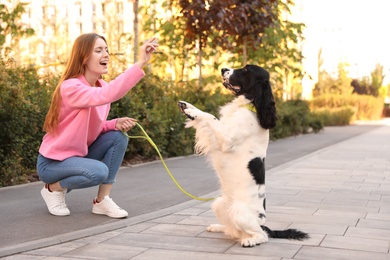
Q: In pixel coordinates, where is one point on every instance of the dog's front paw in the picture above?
(188, 110)
(216, 228)
(253, 241)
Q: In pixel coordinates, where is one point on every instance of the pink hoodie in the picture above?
(83, 113)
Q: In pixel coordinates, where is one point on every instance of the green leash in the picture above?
(146, 136)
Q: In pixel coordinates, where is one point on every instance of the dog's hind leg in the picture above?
(247, 223)
(219, 208)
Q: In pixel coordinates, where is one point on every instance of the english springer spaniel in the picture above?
(236, 145)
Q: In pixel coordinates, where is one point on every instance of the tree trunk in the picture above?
(245, 50)
(135, 9)
(200, 62)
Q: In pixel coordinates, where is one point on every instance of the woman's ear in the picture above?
(265, 106)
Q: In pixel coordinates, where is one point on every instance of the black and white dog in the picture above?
(236, 145)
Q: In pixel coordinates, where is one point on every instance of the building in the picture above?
(57, 23)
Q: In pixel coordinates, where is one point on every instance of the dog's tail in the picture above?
(288, 233)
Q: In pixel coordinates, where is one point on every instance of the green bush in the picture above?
(335, 116)
(367, 107)
(294, 117)
(24, 101)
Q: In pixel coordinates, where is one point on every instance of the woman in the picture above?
(81, 148)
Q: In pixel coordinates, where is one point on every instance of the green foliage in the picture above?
(328, 85)
(24, 101)
(366, 107)
(11, 25)
(240, 32)
(371, 85)
(335, 116)
(294, 117)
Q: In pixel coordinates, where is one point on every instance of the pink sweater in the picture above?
(83, 113)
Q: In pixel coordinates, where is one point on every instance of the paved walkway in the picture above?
(339, 194)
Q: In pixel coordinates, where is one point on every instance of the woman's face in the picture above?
(97, 63)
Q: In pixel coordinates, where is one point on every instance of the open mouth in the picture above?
(103, 63)
(229, 86)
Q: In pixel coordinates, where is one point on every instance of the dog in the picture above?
(236, 146)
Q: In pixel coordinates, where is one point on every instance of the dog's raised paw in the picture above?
(185, 107)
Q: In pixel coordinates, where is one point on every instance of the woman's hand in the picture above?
(146, 51)
(125, 123)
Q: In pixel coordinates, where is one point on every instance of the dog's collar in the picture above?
(250, 107)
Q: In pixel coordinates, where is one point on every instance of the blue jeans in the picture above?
(99, 166)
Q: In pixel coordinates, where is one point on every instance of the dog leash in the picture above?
(146, 137)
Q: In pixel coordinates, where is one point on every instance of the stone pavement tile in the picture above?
(155, 254)
(99, 238)
(335, 207)
(368, 233)
(172, 242)
(274, 187)
(268, 249)
(379, 224)
(289, 210)
(280, 189)
(356, 195)
(174, 230)
(378, 216)
(355, 243)
(192, 211)
(344, 201)
(302, 196)
(385, 210)
(207, 234)
(199, 220)
(136, 228)
(313, 219)
(336, 213)
(208, 213)
(105, 251)
(381, 204)
(310, 253)
(57, 250)
(24, 257)
(170, 219)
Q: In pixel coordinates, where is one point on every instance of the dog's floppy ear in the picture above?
(265, 105)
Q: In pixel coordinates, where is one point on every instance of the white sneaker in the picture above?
(55, 202)
(108, 207)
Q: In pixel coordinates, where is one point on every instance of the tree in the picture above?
(11, 28)
(242, 24)
(371, 86)
(343, 83)
(198, 26)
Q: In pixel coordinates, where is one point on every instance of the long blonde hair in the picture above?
(81, 51)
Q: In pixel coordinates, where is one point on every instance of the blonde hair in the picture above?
(81, 51)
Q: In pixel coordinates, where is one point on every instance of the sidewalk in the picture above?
(340, 195)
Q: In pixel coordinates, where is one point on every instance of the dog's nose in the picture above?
(223, 70)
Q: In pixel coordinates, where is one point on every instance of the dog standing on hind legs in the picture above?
(236, 145)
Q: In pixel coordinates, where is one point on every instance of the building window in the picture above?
(119, 7)
(79, 9)
(120, 27)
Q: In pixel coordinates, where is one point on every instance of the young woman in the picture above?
(81, 148)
